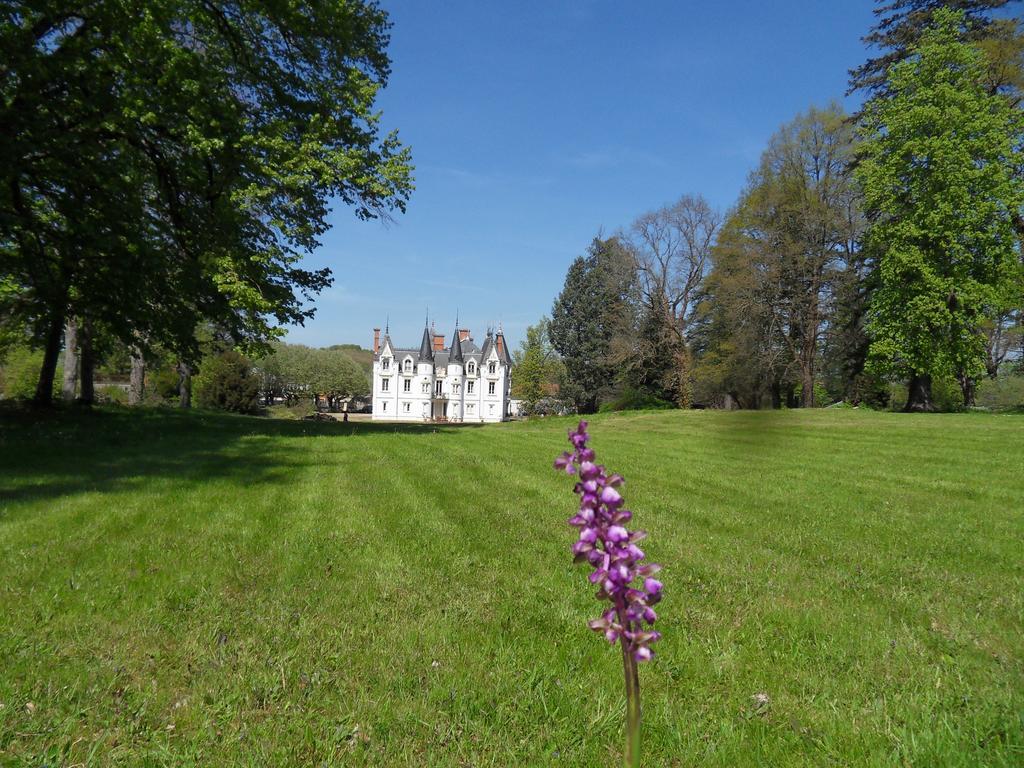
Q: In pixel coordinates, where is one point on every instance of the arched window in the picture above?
(408, 364)
(385, 363)
(471, 368)
(492, 367)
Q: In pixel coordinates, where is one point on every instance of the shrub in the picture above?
(112, 394)
(227, 382)
(946, 394)
(164, 383)
(20, 374)
(822, 397)
(635, 400)
(546, 406)
(299, 410)
(871, 392)
(1006, 391)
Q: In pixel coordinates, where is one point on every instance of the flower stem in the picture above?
(630, 671)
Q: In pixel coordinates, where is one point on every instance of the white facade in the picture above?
(458, 383)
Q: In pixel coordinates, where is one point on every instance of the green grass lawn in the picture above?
(189, 589)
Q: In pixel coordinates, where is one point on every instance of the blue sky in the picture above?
(535, 125)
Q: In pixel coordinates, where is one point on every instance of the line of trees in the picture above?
(864, 250)
(292, 372)
(167, 165)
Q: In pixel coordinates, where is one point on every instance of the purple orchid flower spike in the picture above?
(611, 550)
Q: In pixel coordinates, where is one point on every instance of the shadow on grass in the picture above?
(51, 454)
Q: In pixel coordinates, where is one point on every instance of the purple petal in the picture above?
(617, 533)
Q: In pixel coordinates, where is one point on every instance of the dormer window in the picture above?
(492, 367)
(471, 368)
(385, 363)
(408, 365)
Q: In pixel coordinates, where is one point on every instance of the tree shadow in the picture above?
(46, 455)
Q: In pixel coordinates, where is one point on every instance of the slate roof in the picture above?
(427, 346)
(467, 350)
(455, 350)
(503, 353)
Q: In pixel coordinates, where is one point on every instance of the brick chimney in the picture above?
(438, 342)
(376, 341)
(463, 334)
(501, 345)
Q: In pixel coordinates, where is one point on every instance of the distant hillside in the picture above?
(364, 357)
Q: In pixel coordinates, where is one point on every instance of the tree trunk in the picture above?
(969, 387)
(683, 376)
(807, 387)
(137, 383)
(776, 395)
(70, 383)
(87, 360)
(44, 389)
(919, 394)
(184, 385)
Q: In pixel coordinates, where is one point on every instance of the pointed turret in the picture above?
(503, 354)
(455, 353)
(488, 343)
(426, 346)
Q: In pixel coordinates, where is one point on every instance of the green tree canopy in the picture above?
(770, 298)
(939, 175)
(901, 23)
(591, 313)
(171, 162)
(294, 371)
(537, 370)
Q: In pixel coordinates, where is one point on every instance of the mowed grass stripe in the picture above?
(193, 589)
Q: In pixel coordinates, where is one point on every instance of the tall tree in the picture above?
(589, 316)
(172, 163)
(793, 234)
(808, 211)
(741, 355)
(900, 24)
(939, 174)
(536, 368)
(671, 247)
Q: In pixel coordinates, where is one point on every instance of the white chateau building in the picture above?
(460, 383)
